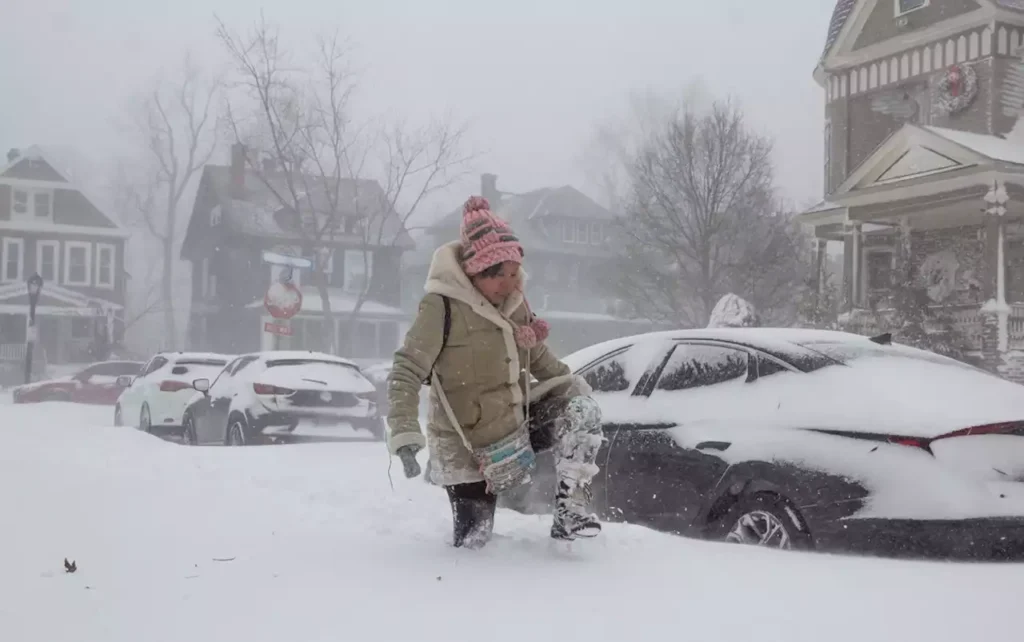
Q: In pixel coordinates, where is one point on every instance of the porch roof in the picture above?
(918, 170)
(55, 299)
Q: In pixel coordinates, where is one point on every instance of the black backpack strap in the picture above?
(444, 333)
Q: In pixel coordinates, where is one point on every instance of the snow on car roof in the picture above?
(274, 355)
(207, 356)
(779, 339)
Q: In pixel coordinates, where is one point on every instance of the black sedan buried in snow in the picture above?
(804, 439)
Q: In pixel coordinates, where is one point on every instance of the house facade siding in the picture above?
(50, 227)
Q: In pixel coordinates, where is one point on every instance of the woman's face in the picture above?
(498, 282)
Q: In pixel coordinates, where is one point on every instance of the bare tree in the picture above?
(177, 127)
(348, 183)
(702, 220)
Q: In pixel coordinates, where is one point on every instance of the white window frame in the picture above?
(896, 8)
(72, 245)
(357, 261)
(100, 247)
(568, 230)
(48, 193)
(55, 245)
(9, 241)
(30, 204)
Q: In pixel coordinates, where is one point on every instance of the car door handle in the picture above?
(713, 445)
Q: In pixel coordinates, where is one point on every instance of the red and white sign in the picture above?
(282, 300)
(274, 328)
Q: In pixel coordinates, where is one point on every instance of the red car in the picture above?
(96, 384)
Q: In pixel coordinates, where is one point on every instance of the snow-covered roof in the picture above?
(993, 147)
(80, 172)
(341, 303)
(840, 13)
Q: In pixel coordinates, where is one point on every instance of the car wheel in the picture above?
(188, 432)
(118, 421)
(764, 519)
(145, 422)
(236, 432)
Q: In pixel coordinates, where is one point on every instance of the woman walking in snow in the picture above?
(478, 345)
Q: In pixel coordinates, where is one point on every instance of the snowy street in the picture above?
(309, 542)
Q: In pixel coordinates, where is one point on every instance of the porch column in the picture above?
(904, 260)
(851, 265)
(995, 312)
(820, 253)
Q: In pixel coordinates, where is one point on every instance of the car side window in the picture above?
(154, 364)
(695, 366)
(609, 374)
(767, 366)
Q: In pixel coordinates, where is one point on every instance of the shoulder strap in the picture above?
(444, 333)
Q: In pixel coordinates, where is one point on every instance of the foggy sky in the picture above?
(532, 77)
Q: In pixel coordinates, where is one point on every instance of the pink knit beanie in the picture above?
(486, 239)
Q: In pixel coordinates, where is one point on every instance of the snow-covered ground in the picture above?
(309, 542)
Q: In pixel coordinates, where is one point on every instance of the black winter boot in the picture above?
(472, 514)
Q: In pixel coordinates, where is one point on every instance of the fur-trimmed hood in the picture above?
(446, 277)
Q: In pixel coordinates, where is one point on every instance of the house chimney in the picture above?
(238, 171)
(12, 154)
(489, 189)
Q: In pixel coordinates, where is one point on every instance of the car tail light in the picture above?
(174, 386)
(1002, 428)
(267, 389)
(925, 443)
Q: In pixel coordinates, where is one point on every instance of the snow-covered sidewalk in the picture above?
(309, 542)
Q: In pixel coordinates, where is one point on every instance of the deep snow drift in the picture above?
(318, 547)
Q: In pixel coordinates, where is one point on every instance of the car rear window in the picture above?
(849, 352)
(201, 362)
(301, 362)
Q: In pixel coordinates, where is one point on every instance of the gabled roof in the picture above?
(259, 213)
(849, 17)
(925, 160)
(70, 167)
(529, 215)
(840, 13)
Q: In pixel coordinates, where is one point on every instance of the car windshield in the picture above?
(849, 352)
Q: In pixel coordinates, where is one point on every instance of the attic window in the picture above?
(31, 204)
(906, 6)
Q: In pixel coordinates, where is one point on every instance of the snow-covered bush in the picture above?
(732, 311)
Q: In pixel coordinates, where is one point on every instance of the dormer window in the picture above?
(906, 6)
(29, 204)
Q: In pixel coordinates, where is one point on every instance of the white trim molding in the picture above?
(100, 249)
(71, 245)
(52, 229)
(55, 246)
(20, 276)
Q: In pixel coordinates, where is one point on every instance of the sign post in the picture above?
(283, 299)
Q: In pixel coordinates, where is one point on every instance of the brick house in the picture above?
(50, 226)
(236, 217)
(569, 260)
(924, 163)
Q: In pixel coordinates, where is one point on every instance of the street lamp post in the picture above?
(35, 286)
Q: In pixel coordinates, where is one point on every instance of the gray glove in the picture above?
(408, 456)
